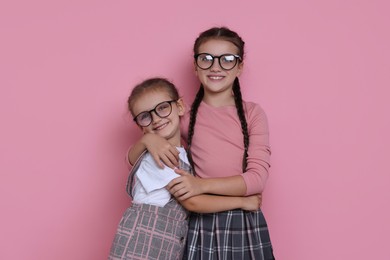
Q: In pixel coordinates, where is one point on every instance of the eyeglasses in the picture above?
(226, 61)
(163, 109)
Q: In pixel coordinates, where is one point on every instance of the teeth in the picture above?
(159, 127)
(215, 77)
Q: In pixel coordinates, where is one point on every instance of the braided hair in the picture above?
(226, 34)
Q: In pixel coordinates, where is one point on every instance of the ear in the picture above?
(240, 67)
(180, 107)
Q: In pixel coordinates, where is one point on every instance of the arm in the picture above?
(188, 185)
(213, 203)
(153, 178)
(160, 149)
(248, 183)
(259, 152)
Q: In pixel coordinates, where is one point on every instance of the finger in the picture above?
(172, 184)
(173, 157)
(181, 172)
(184, 196)
(175, 152)
(156, 158)
(170, 159)
(178, 191)
(167, 161)
(173, 190)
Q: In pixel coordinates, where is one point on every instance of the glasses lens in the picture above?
(228, 61)
(204, 61)
(144, 119)
(164, 109)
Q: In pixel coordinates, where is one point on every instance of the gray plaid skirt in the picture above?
(151, 232)
(228, 235)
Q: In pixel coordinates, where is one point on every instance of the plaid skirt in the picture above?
(151, 232)
(228, 235)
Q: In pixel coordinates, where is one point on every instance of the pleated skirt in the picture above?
(229, 235)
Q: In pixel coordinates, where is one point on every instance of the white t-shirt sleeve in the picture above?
(152, 177)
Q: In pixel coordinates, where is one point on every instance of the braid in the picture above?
(241, 115)
(194, 111)
(225, 34)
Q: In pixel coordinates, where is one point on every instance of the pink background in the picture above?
(320, 69)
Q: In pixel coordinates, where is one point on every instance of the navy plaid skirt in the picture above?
(228, 235)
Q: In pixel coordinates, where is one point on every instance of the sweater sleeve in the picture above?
(258, 160)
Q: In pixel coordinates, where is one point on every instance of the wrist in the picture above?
(144, 139)
(205, 186)
(242, 203)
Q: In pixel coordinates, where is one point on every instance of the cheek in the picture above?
(200, 73)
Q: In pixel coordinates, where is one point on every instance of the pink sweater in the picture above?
(218, 146)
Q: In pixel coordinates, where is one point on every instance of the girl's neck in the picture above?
(218, 100)
(175, 141)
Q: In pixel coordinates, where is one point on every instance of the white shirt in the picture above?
(151, 180)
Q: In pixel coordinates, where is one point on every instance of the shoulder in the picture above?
(256, 117)
(253, 109)
(147, 162)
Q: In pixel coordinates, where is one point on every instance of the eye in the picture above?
(228, 58)
(206, 57)
(162, 107)
(143, 116)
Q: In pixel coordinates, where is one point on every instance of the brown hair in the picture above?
(152, 84)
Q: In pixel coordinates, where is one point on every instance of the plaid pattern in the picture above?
(151, 232)
(229, 235)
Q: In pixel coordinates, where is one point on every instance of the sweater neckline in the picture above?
(218, 108)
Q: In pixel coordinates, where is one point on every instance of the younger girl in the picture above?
(155, 225)
(228, 145)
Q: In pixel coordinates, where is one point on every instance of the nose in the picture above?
(155, 117)
(215, 66)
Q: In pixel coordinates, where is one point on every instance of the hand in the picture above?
(161, 150)
(185, 186)
(252, 203)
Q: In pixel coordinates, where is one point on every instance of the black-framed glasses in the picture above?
(226, 61)
(163, 109)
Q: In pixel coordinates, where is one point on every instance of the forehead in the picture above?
(149, 99)
(218, 47)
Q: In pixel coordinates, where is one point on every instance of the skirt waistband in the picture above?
(171, 210)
